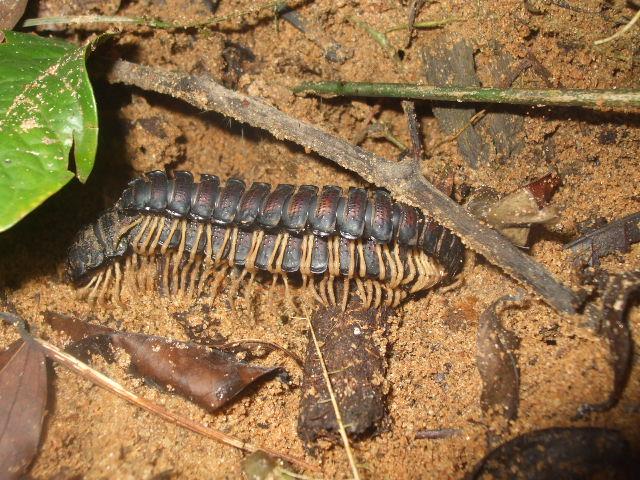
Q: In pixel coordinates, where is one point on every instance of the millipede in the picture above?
(190, 237)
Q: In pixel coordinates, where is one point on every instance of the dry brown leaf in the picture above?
(497, 362)
(614, 327)
(560, 453)
(23, 399)
(513, 214)
(207, 376)
(10, 12)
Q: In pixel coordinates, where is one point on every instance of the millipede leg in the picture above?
(383, 272)
(105, 285)
(411, 275)
(361, 292)
(399, 265)
(196, 271)
(312, 286)
(118, 283)
(156, 238)
(322, 286)
(283, 248)
(346, 282)
(175, 277)
(377, 293)
(83, 292)
(174, 225)
(94, 290)
(128, 227)
(232, 249)
(362, 266)
(146, 241)
(368, 286)
(217, 281)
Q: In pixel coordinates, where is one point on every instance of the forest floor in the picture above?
(432, 377)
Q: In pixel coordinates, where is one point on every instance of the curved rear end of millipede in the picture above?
(182, 238)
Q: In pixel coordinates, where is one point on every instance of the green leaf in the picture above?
(46, 107)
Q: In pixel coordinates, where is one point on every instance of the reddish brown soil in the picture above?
(432, 375)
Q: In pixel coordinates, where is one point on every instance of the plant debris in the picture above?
(515, 213)
(615, 328)
(605, 239)
(497, 362)
(455, 66)
(23, 400)
(10, 13)
(351, 345)
(559, 453)
(261, 466)
(85, 371)
(207, 376)
(437, 434)
(333, 51)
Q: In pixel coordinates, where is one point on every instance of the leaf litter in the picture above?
(207, 376)
(614, 327)
(72, 363)
(23, 401)
(584, 452)
(497, 362)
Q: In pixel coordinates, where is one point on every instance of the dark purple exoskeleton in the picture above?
(326, 218)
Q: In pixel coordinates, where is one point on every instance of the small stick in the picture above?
(437, 434)
(149, 22)
(414, 131)
(596, 98)
(400, 179)
(620, 32)
(472, 121)
(334, 402)
(424, 25)
(101, 380)
(415, 6)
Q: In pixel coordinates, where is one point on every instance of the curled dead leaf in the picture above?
(207, 376)
(605, 239)
(23, 400)
(515, 213)
(559, 453)
(497, 362)
(615, 329)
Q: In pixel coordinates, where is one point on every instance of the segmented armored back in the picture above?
(189, 233)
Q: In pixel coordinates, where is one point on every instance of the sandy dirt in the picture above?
(432, 375)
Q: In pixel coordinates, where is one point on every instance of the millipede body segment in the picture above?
(188, 237)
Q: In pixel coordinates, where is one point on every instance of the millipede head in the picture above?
(85, 255)
(97, 244)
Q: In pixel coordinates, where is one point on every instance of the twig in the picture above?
(334, 402)
(89, 19)
(620, 32)
(424, 25)
(516, 96)
(101, 380)
(415, 6)
(400, 179)
(472, 121)
(149, 22)
(414, 131)
(437, 434)
(379, 37)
